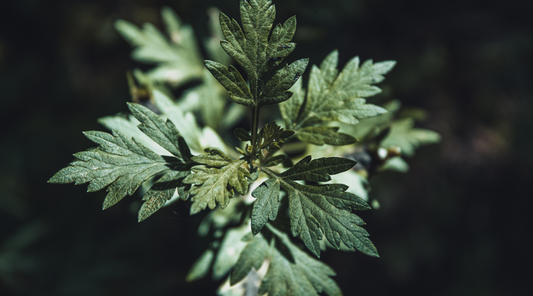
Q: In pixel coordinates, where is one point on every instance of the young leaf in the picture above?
(272, 137)
(403, 135)
(121, 163)
(266, 205)
(216, 180)
(320, 135)
(275, 160)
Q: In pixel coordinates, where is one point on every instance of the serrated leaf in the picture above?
(320, 135)
(403, 135)
(163, 133)
(291, 271)
(119, 162)
(212, 185)
(232, 81)
(276, 90)
(258, 54)
(266, 204)
(290, 109)
(333, 97)
(161, 192)
(318, 170)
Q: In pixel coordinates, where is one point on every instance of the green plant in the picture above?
(271, 184)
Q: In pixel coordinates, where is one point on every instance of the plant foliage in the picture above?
(180, 149)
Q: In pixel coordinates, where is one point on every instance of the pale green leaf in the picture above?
(119, 162)
(215, 181)
(320, 135)
(266, 204)
(290, 109)
(403, 135)
(396, 164)
(229, 250)
(200, 268)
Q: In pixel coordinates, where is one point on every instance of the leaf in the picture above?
(258, 55)
(200, 268)
(320, 135)
(215, 181)
(163, 133)
(403, 135)
(290, 109)
(276, 90)
(177, 57)
(242, 134)
(266, 204)
(229, 250)
(161, 192)
(232, 81)
(291, 271)
(275, 160)
(318, 170)
(396, 164)
(272, 137)
(333, 97)
(119, 162)
(324, 209)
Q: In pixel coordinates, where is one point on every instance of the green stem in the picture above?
(255, 124)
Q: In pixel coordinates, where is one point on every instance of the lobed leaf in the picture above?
(232, 81)
(266, 204)
(320, 135)
(318, 170)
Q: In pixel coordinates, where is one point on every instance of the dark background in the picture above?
(457, 224)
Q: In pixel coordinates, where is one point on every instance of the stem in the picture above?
(255, 123)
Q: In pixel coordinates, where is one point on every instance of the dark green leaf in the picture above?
(276, 90)
(320, 135)
(232, 81)
(242, 134)
(318, 170)
(266, 205)
(161, 192)
(275, 160)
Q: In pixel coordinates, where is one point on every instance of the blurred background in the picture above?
(457, 224)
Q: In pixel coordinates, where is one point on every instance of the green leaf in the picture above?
(228, 253)
(161, 192)
(320, 135)
(318, 170)
(258, 54)
(163, 133)
(266, 204)
(290, 109)
(216, 181)
(396, 164)
(200, 268)
(291, 271)
(333, 97)
(119, 162)
(403, 135)
(272, 137)
(324, 209)
(276, 90)
(242, 134)
(232, 81)
(275, 160)
(177, 57)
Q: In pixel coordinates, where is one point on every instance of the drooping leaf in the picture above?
(318, 170)
(320, 135)
(291, 272)
(266, 204)
(216, 180)
(403, 135)
(119, 162)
